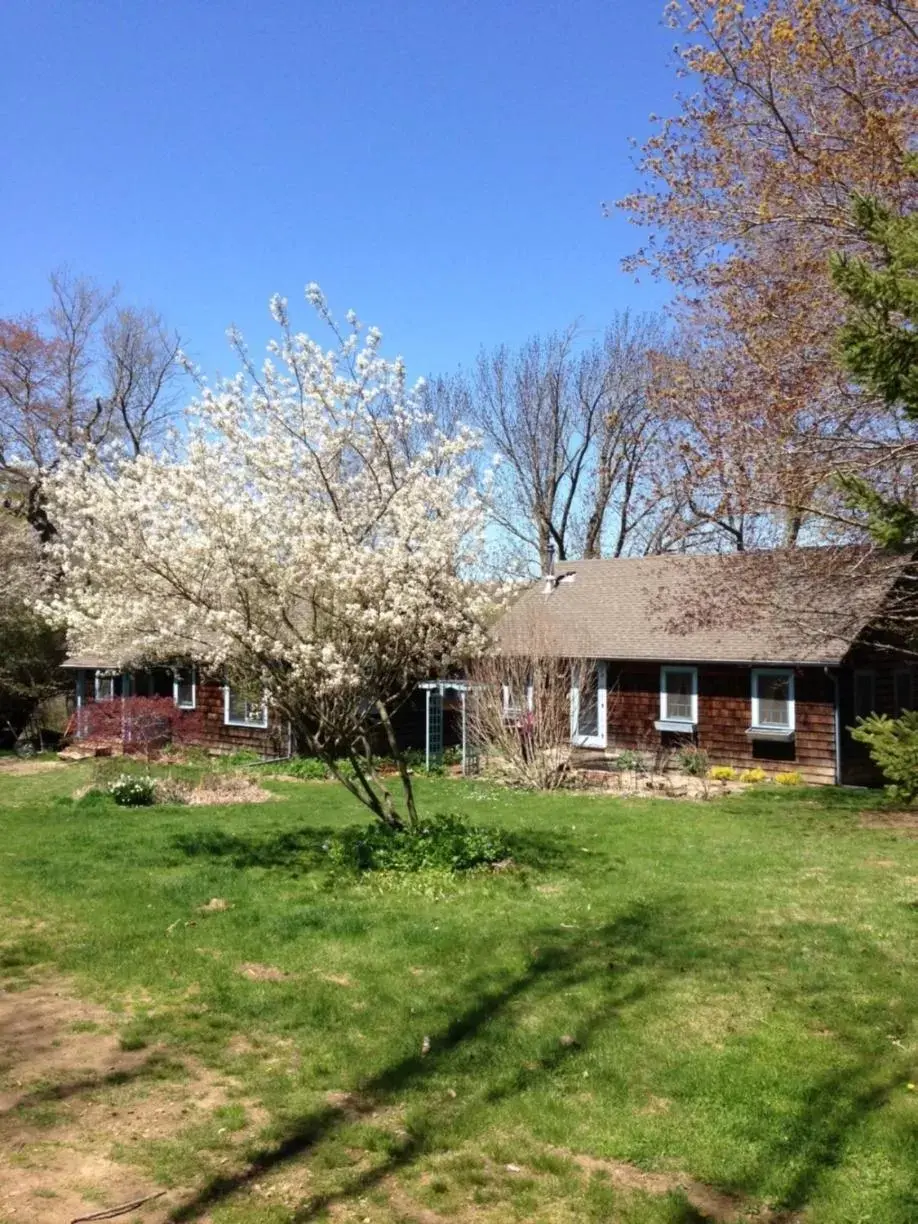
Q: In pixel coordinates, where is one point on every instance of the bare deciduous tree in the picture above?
(575, 432)
(87, 374)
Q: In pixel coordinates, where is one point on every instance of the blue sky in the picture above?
(438, 166)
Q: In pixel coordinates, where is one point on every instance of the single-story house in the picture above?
(222, 718)
(759, 659)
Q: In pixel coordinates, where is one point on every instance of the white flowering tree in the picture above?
(311, 535)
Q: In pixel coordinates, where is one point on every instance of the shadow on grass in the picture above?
(626, 959)
(305, 848)
(152, 1067)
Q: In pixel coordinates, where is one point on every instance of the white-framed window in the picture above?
(904, 694)
(105, 685)
(865, 693)
(679, 696)
(516, 700)
(588, 704)
(185, 688)
(773, 699)
(240, 709)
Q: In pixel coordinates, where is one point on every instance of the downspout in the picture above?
(833, 674)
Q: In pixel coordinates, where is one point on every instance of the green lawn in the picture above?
(725, 991)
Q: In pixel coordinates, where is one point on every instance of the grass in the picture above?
(726, 991)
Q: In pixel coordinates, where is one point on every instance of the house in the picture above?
(219, 716)
(759, 659)
(223, 718)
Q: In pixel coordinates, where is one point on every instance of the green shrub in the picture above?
(628, 759)
(132, 790)
(447, 843)
(309, 768)
(694, 762)
(723, 773)
(893, 744)
(788, 778)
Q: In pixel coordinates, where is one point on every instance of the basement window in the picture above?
(773, 708)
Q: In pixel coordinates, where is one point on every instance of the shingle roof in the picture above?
(791, 606)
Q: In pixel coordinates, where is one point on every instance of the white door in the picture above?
(588, 705)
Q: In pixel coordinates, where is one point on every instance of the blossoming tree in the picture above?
(310, 534)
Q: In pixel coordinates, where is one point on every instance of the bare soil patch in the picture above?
(70, 1096)
(262, 973)
(904, 821)
(24, 768)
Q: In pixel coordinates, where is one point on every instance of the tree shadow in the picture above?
(306, 848)
(564, 961)
(151, 1068)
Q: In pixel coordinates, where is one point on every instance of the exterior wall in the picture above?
(724, 713)
(210, 730)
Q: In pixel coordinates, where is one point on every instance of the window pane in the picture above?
(588, 703)
(774, 700)
(184, 687)
(105, 688)
(237, 706)
(678, 693)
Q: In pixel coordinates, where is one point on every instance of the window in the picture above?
(184, 688)
(105, 685)
(678, 697)
(517, 700)
(772, 700)
(904, 698)
(865, 696)
(240, 709)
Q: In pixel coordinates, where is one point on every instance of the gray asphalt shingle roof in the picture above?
(789, 606)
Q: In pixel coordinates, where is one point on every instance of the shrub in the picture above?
(130, 790)
(790, 778)
(753, 776)
(893, 744)
(723, 773)
(309, 768)
(694, 762)
(444, 842)
(629, 759)
(141, 725)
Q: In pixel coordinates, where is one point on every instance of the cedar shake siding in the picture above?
(724, 715)
(816, 615)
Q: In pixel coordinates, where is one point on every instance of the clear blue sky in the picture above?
(437, 166)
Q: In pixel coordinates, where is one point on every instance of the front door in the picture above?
(588, 705)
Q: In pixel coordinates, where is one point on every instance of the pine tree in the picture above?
(879, 346)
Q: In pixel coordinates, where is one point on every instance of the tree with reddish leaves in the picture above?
(140, 725)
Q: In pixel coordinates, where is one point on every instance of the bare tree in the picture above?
(88, 374)
(519, 716)
(575, 432)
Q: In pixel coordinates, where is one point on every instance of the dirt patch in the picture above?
(262, 973)
(713, 1204)
(71, 1097)
(905, 821)
(24, 768)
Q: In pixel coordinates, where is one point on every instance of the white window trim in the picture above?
(260, 725)
(869, 674)
(665, 723)
(194, 688)
(788, 728)
(589, 741)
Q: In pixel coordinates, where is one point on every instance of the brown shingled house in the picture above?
(664, 653)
